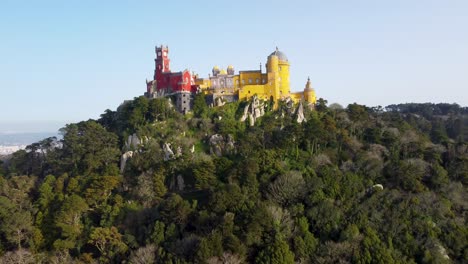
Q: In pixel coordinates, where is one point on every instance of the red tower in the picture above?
(181, 84)
(162, 61)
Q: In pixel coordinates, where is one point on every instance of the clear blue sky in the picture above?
(65, 61)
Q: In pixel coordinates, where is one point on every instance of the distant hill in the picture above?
(17, 139)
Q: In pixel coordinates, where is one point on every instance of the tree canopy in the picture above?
(145, 184)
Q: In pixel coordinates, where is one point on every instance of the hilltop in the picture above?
(245, 182)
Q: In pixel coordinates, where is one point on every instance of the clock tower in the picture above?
(162, 61)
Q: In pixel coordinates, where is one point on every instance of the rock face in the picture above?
(288, 106)
(180, 183)
(177, 183)
(300, 113)
(288, 109)
(178, 152)
(168, 153)
(377, 187)
(132, 142)
(253, 110)
(220, 146)
(219, 101)
(374, 188)
(123, 160)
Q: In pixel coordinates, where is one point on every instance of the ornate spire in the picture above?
(308, 84)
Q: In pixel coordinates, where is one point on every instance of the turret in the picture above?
(230, 70)
(309, 92)
(272, 63)
(215, 71)
(278, 68)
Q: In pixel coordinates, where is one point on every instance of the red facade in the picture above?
(168, 81)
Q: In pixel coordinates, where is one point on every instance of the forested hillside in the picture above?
(145, 184)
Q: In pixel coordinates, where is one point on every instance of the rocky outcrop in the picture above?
(288, 109)
(253, 111)
(168, 153)
(230, 148)
(177, 183)
(300, 113)
(178, 152)
(374, 188)
(216, 144)
(219, 101)
(132, 142)
(220, 145)
(180, 183)
(123, 160)
(288, 106)
(377, 187)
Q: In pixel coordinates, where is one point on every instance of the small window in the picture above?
(263, 81)
(250, 81)
(256, 81)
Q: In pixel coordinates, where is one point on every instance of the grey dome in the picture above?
(281, 55)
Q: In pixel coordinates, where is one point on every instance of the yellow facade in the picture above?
(274, 84)
(204, 84)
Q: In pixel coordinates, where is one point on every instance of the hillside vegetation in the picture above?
(350, 185)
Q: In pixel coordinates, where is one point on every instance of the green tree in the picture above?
(16, 224)
(276, 251)
(157, 236)
(69, 221)
(160, 109)
(372, 250)
(287, 188)
(200, 109)
(305, 243)
(108, 241)
(174, 209)
(89, 148)
(204, 174)
(99, 189)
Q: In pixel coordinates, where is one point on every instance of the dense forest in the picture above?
(145, 184)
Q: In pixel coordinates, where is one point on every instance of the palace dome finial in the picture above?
(281, 56)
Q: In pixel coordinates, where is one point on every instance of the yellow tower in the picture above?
(309, 93)
(274, 84)
(278, 75)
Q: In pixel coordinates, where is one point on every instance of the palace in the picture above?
(273, 84)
